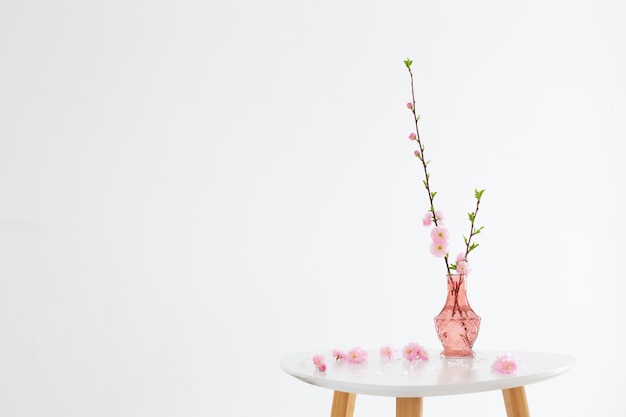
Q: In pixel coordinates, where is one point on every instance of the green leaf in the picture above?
(477, 231)
(408, 63)
(471, 216)
(453, 267)
(478, 194)
(433, 194)
(473, 246)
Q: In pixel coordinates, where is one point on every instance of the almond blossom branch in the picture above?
(420, 154)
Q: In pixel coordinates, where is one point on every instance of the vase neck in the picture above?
(456, 281)
(457, 290)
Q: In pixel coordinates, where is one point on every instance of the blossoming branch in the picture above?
(433, 217)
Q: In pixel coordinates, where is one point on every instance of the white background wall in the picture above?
(191, 190)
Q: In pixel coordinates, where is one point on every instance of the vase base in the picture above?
(457, 354)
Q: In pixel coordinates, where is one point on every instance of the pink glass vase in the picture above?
(457, 325)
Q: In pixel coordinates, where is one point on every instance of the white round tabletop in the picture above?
(400, 378)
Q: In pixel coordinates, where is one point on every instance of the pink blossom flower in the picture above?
(387, 351)
(416, 153)
(439, 234)
(505, 365)
(319, 362)
(338, 355)
(409, 105)
(357, 355)
(463, 267)
(439, 217)
(438, 249)
(412, 136)
(428, 218)
(414, 351)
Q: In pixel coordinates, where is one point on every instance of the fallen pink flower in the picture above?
(505, 365)
(387, 352)
(338, 355)
(414, 351)
(357, 355)
(319, 362)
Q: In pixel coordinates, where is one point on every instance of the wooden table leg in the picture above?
(515, 402)
(343, 404)
(408, 407)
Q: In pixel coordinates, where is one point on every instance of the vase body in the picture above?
(457, 324)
